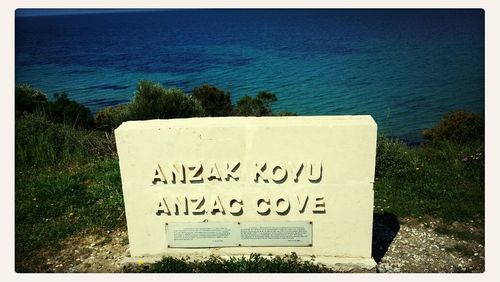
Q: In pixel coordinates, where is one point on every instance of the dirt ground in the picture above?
(408, 245)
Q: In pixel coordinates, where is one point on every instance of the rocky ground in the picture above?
(431, 246)
(91, 253)
(406, 245)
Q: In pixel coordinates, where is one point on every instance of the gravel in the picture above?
(417, 248)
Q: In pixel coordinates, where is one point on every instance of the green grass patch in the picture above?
(255, 263)
(444, 180)
(54, 203)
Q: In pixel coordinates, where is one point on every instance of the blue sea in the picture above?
(406, 68)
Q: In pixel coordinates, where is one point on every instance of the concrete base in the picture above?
(338, 264)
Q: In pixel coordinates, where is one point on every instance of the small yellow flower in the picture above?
(140, 262)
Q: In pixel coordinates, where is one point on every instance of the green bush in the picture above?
(153, 101)
(394, 158)
(246, 107)
(216, 102)
(110, 118)
(61, 110)
(461, 127)
(267, 98)
(258, 106)
(28, 100)
(64, 110)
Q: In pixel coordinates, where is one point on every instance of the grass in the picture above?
(54, 203)
(255, 263)
(444, 180)
(42, 143)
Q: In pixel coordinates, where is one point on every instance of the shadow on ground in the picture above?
(385, 229)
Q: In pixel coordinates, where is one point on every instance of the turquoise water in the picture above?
(406, 68)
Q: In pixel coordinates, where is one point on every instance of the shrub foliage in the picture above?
(261, 105)
(460, 127)
(65, 110)
(394, 158)
(110, 118)
(61, 110)
(28, 100)
(216, 102)
(153, 101)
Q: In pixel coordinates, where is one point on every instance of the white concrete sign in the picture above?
(241, 185)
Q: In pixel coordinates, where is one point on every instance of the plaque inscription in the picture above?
(276, 233)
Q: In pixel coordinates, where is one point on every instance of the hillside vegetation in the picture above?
(68, 180)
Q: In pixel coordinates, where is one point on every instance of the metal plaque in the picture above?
(276, 233)
(231, 234)
(202, 234)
